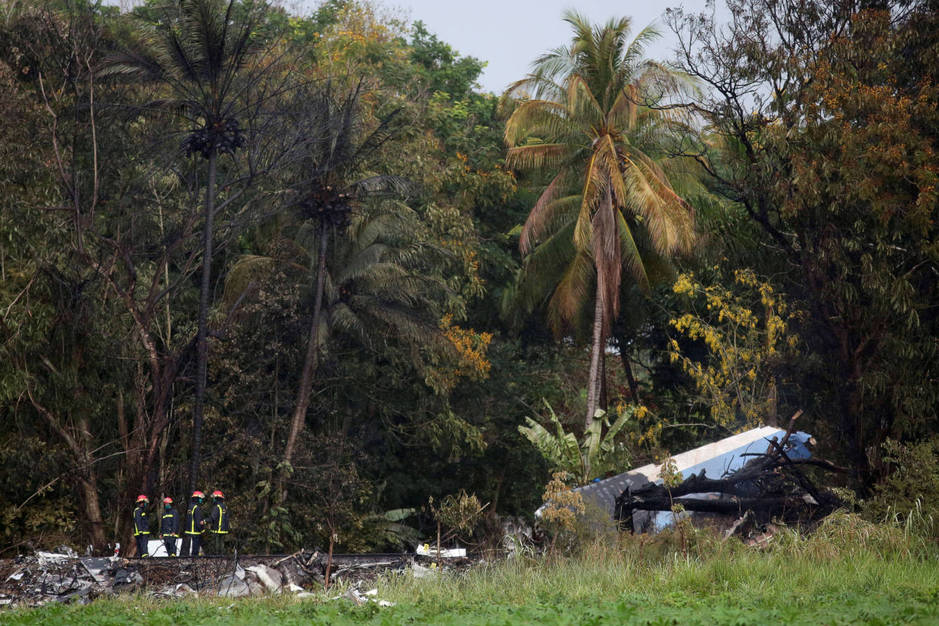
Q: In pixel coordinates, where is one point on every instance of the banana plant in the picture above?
(592, 456)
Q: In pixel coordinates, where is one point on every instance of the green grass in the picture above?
(847, 573)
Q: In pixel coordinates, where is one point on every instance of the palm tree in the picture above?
(377, 288)
(371, 286)
(331, 181)
(589, 123)
(201, 51)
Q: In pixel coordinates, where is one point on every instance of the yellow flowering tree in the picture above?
(748, 332)
(470, 360)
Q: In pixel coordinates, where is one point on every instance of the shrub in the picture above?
(909, 493)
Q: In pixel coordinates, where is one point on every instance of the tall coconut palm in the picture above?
(588, 122)
(202, 52)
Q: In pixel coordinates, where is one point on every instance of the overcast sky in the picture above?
(510, 34)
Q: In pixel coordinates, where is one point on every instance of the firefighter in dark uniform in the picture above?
(142, 526)
(170, 528)
(218, 522)
(195, 522)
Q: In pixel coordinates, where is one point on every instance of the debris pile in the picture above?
(63, 576)
(771, 485)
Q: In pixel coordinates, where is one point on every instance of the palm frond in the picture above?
(535, 156)
(534, 118)
(537, 278)
(667, 217)
(247, 269)
(632, 258)
(636, 51)
(571, 297)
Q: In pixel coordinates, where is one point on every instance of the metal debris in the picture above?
(270, 578)
(233, 587)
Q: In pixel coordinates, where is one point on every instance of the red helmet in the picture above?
(198, 494)
(142, 498)
(167, 500)
(218, 494)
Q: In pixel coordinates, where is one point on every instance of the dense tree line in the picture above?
(303, 259)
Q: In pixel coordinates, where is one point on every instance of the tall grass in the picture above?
(846, 553)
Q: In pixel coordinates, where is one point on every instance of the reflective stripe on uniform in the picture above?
(221, 518)
(192, 522)
(137, 530)
(170, 516)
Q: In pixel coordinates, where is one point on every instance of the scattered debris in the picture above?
(517, 536)
(353, 594)
(452, 553)
(232, 586)
(270, 578)
(127, 577)
(359, 598)
(97, 568)
(64, 577)
(419, 571)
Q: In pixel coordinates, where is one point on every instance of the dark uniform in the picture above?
(170, 529)
(142, 528)
(218, 526)
(195, 522)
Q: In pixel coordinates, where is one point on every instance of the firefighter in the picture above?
(142, 526)
(170, 528)
(218, 522)
(195, 522)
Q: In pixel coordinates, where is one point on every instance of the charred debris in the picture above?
(756, 489)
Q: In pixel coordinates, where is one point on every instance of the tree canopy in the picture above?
(303, 259)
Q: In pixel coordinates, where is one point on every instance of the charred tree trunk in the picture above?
(310, 362)
(202, 349)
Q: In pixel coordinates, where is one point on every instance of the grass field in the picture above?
(848, 573)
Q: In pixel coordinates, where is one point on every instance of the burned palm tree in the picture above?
(204, 53)
(333, 178)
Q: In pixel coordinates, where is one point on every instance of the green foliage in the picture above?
(381, 531)
(836, 171)
(909, 491)
(596, 454)
(671, 477)
(439, 66)
(828, 189)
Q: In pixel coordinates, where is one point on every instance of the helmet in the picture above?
(167, 500)
(198, 494)
(218, 494)
(142, 498)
